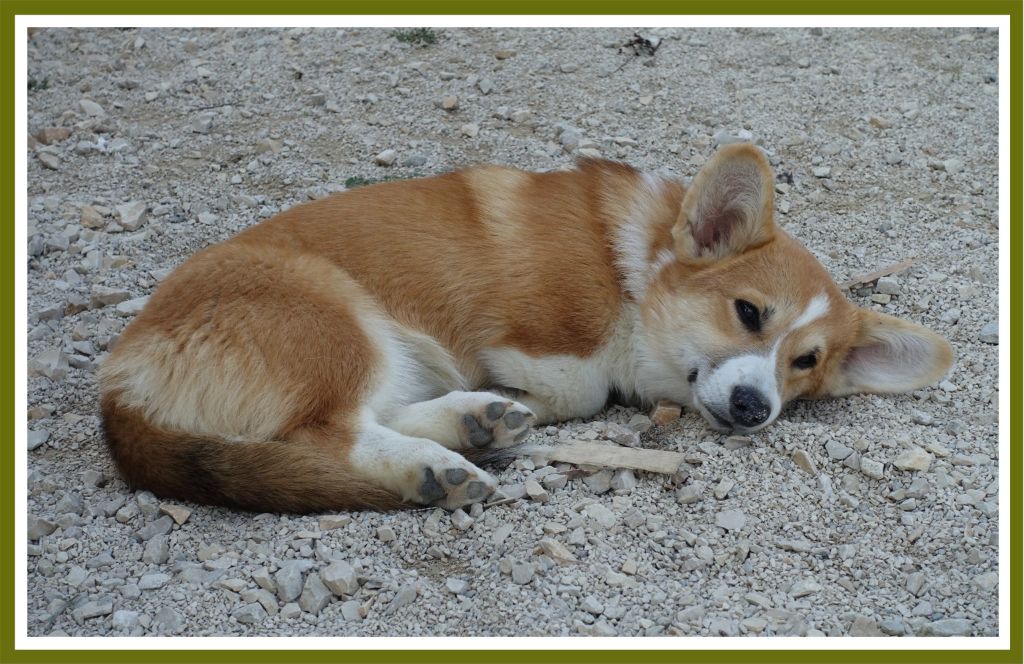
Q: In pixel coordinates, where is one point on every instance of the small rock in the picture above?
(334, 521)
(822, 171)
(340, 578)
(50, 161)
(989, 333)
(52, 364)
(888, 286)
(463, 521)
(913, 459)
(640, 423)
(161, 526)
(102, 606)
(522, 573)
(872, 468)
(804, 587)
(315, 595)
(892, 627)
(352, 610)
(623, 480)
(404, 597)
(731, 519)
(837, 450)
(470, 130)
(987, 582)
(177, 512)
(689, 494)
(203, 123)
(153, 581)
(948, 627)
(386, 158)
(723, 488)
(288, 579)
(36, 437)
(450, 103)
(124, 620)
(250, 614)
(601, 515)
(921, 417)
(666, 412)
(386, 534)
(592, 606)
(168, 621)
(599, 482)
(50, 135)
(952, 166)
(101, 296)
(156, 551)
(485, 85)
(91, 108)
(864, 626)
(36, 527)
(536, 492)
(456, 586)
(131, 215)
(803, 460)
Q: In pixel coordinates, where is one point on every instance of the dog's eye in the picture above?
(807, 361)
(749, 315)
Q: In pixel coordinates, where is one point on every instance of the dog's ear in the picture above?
(728, 208)
(890, 355)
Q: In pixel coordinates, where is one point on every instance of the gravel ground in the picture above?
(863, 516)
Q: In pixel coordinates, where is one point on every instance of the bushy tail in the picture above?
(273, 476)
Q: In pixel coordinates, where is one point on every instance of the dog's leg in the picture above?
(418, 470)
(461, 420)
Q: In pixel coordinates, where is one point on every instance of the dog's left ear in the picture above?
(890, 355)
(728, 208)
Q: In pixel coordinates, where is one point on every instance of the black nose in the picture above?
(748, 407)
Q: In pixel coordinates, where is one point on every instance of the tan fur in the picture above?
(264, 372)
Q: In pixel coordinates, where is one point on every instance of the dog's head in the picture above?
(753, 320)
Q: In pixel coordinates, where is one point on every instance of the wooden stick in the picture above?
(613, 456)
(878, 274)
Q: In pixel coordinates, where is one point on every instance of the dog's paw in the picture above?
(496, 423)
(454, 486)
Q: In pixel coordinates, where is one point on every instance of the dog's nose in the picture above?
(748, 407)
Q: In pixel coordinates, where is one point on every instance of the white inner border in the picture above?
(22, 641)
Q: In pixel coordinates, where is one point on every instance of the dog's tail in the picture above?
(269, 476)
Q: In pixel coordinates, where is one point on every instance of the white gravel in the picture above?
(869, 515)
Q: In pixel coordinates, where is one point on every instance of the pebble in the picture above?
(335, 521)
(50, 135)
(450, 103)
(315, 595)
(888, 286)
(536, 492)
(288, 579)
(822, 171)
(52, 364)
(168, 621)
(640, 423)
(91, 108)
(803, 461)
(161, 526)
(689, 494)
(601, 515)
(132, 215)
(626, 436)
(404, 597)
(386, 158)
(36, 438)
(731, 519)
(666, 412)
(37, 527)
(470, 129)
(340, 578)
(864, 626)
(386, 534)
(102, 606)
(250, 614)
(599, 482)
(623, 480)
(804, 587)
(989, 333)
(203, 123)
(156, 551)
(913, 459)
(352, 610)
(463, 521)
(592, 606)
(153, 581)
(456, 586)
(177, 512)
(872, 468)
(50, 161)
(522, 573)
(987, 582)
(922, 417)
(485, 85)
(892, 627)
(124, 620)
(948, 627)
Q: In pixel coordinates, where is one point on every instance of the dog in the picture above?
(351, 352)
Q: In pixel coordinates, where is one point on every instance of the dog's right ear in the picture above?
(728, 208)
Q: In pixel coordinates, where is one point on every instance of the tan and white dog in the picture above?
(343, 353)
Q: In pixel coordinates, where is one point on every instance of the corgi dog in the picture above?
(353, 351)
